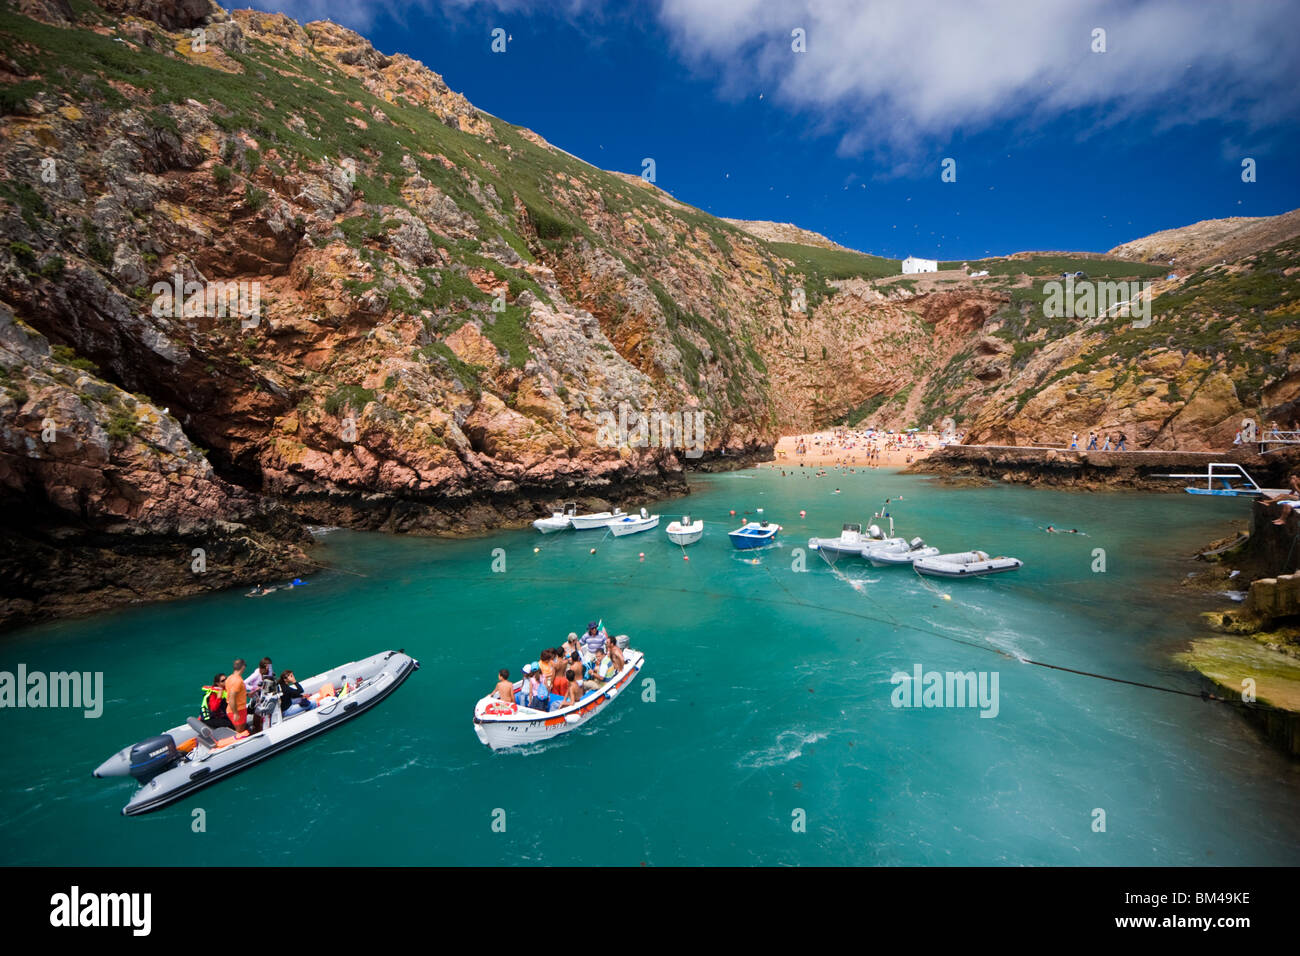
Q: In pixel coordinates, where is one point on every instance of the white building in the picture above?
(912, 264)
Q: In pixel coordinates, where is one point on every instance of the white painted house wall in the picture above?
(912, 264)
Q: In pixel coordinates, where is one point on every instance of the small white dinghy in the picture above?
(499, 724)
(631, 524)
(558, 521)
(598, 519)
(897, 551)
(966, 564)
(686, 531)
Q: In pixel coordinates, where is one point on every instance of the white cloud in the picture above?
(889, 76)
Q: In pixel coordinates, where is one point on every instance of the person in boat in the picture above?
(293, 699)
(559, 688)
(575, 686)
(505, 690)
(602, 669)
(237, 696)
(539, 695)
(615, 654)
(546, 664)
(212, 709)
(570, 645)
(521, 695)
(594, 639)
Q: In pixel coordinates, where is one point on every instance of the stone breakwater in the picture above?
(1095, 469)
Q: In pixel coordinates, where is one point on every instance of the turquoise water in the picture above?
(771, 696)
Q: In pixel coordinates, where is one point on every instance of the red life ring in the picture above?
(500, 709)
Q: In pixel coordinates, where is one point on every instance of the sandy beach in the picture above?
(854, 448)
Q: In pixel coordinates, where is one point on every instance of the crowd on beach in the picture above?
(869, 448)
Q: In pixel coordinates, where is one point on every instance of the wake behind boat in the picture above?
(184, 759)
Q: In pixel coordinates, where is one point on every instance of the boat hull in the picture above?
(683, 536)
(527, 726)
(591, 522)
(889, 559)
(551, 525)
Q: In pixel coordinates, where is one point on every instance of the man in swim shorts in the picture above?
(237, 697)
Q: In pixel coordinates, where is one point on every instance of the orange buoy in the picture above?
(641, 555)
(686, 557)
(593, 550)
(803, 514)
(733, 512)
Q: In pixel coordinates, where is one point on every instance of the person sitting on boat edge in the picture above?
(615, 654)
(212, 709)
(293, 699)
(575, 690)
(570, 645)
(505, 690)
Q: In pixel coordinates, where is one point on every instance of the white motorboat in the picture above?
(499, 724)
(631, 524)
(686, 531)
(897, 551)
(178, 762)
(558, 521)
(966, 564)
(597, 520)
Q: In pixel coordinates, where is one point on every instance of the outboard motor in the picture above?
(151, 757)
(622, 641)
(874, 532)
(917, 544)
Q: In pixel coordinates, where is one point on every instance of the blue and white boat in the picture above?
(754, 534)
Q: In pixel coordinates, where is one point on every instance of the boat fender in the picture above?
(500, 709)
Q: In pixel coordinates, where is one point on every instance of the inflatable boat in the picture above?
(499, 724)
(967, 564)
(184, 759)
(851, 541)
(558, 521)
(898, 552)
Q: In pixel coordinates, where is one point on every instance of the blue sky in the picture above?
(1057, 145)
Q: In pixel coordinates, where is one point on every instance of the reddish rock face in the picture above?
(444, 307)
